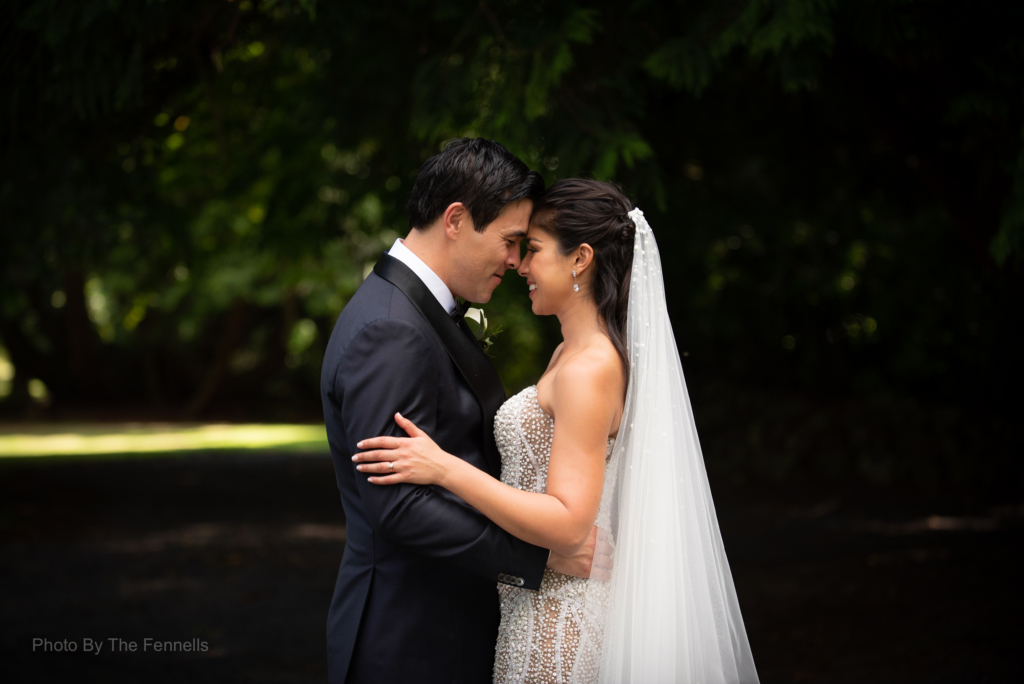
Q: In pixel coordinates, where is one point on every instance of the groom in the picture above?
(415, 599)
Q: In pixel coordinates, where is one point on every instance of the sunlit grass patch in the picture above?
(155, 438)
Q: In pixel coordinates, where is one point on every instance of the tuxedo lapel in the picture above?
(458, 341)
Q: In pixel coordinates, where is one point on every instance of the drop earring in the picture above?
(575, 287)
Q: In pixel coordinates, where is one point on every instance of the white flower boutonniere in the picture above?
(480, 330)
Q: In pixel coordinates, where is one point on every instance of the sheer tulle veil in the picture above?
(670, 613)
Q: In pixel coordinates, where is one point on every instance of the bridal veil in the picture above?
(670, 613)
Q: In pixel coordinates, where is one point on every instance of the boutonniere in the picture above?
(484, 336)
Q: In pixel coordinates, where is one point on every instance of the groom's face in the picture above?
(480, 259)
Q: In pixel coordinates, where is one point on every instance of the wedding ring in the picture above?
(392, 464)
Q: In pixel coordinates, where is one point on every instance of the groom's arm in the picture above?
(390, 367)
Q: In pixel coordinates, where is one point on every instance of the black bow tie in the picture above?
(460, 311)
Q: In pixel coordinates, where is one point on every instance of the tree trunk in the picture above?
(228, 341)
(80, 338)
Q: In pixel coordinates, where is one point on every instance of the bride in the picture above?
(605, 437)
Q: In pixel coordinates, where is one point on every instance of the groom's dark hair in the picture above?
(482, 174)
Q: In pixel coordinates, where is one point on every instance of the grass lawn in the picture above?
(29, 440)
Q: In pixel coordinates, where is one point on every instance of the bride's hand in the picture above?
(415, 459)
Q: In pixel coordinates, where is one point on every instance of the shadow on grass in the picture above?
(239, 549)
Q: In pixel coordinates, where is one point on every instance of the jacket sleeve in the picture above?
(389, 366)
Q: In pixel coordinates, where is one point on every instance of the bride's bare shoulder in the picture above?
(595, 369)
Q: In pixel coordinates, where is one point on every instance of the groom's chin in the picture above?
(486, 293)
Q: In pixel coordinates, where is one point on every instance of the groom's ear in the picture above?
(456, 220)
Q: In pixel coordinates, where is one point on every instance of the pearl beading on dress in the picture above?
(549, 636)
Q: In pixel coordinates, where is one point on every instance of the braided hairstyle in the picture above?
(577, 211)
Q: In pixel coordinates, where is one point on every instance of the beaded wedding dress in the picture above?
(552, 635)
(669, 614)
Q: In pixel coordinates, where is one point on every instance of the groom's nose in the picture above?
(512, 260)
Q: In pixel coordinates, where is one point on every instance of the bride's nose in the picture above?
(523, 266)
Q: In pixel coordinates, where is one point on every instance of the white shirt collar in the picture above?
(429, 278)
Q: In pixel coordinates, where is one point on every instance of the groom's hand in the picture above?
(592, 560)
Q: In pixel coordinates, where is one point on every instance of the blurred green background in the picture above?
(192, 190)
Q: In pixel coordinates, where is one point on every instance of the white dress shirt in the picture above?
(423, 272)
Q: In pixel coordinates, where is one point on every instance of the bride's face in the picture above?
(548, 274)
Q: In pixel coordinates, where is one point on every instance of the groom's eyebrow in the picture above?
(516, 234)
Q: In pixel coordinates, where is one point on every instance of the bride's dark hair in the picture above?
(577, 211)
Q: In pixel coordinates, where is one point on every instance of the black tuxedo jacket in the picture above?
(415, 599)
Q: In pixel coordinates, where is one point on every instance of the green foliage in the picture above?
(1008, 243)
(191, 191)
(797, 33)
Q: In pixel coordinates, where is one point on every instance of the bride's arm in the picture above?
(562, 518)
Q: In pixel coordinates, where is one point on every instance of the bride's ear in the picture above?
(584, 258)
